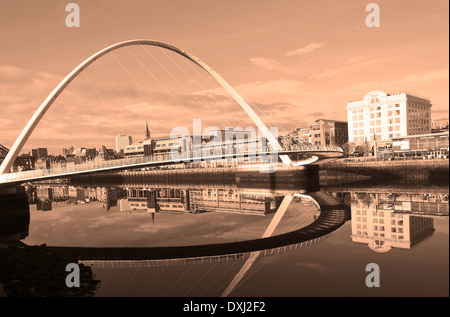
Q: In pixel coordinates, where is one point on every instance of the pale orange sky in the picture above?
(296, 60)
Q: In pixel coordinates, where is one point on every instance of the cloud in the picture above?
(346, 69)
(316, 114)
(270, 64)
(307, 49)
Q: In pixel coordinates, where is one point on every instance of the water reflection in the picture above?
(386, 220)
(382, 219)
(136, 229)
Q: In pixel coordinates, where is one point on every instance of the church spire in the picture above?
(147, 131)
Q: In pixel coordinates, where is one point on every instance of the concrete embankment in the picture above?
(407, 171)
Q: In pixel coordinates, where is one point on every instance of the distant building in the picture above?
(39, 153)
(380, 116)
(69, 152)
(329, 132)
(122, 141)
(105, 154)
(439, 125)
(302, 135)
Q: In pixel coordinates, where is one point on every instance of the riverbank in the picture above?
(433, 171)
(36, 271)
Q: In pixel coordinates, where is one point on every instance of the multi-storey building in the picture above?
(122, 141)
(329, 132)
(381, 116)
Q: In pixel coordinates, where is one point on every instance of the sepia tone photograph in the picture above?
(224, 155)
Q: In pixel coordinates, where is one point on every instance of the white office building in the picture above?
(381, 116)
(122, 141)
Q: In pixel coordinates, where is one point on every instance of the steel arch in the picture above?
(32, 123)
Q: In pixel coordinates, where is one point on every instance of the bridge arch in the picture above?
(32, 123)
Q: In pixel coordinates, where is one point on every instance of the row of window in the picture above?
(375, 115)
(377, 108)
(170, 206)
(382, 235)
(165, 144)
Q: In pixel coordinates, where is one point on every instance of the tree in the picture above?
(348, 148)
(366, 148)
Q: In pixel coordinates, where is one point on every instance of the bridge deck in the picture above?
(149, 161)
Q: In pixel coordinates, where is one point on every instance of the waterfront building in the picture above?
(434, 145)
(217, 141)
(329, 132)
(381, 116)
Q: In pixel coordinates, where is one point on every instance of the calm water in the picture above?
(403, 230)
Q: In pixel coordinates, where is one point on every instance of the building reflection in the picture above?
(44, 195)
(385, 220)
(169, 200)
(198, 200)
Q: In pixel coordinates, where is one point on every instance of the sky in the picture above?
(295, 60)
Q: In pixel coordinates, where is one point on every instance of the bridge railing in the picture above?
(175, 157)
